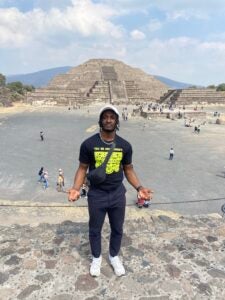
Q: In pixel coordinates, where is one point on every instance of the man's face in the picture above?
(109, 121)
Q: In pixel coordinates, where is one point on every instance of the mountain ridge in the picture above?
(41, 78)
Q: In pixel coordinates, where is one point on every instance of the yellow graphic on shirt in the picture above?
(114, 162)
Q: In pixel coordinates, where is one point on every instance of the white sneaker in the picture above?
(117, 265)
(95, 266)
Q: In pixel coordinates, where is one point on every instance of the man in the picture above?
(45, 179)
(60, 181)
(42, 135)
(107, 197)
(171, 153)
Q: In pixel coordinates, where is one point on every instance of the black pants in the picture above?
(101, 203)
(171, 156)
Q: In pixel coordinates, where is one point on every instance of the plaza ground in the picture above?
(193, 183)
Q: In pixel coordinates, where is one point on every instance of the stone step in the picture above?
(104, 78)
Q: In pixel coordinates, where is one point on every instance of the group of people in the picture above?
(216, 114)
(43, 177)
(188, 122)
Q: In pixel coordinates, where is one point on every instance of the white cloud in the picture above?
(186, 15)
(83, 18)
(70, 32)
(200, 9)
(154, 25)
(214, 46)
(200, 5)
(153, 68)
(137, 35)
(10, 28)
(127, 6)
(184, 59)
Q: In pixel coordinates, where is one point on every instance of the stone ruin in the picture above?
(100, 80)
(193, 96)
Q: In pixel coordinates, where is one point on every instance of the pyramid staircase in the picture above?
(193, 96)
(100, 80)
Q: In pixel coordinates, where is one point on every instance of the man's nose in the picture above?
(108, 119)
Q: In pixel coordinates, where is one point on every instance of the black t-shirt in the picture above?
(93, 152)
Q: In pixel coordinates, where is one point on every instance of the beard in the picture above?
(109, 129)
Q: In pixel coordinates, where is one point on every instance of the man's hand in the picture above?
(73, 195)
(145, 193)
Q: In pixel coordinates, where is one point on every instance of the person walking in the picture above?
(42, 135)
(171, 154)
(45, 179)
(41, 174)
(108, 196)
(60, 181)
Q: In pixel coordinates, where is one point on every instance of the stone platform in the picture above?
(45, 255)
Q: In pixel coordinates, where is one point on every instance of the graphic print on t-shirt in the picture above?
(113, 165)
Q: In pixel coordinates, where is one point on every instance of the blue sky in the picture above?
(181, 40)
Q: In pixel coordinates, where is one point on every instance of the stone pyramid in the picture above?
(100, 80)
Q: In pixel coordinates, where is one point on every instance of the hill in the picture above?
(38, 79)
(42, 78)
(172, 83)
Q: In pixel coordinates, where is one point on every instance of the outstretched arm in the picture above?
(79, 178)
(132, 178)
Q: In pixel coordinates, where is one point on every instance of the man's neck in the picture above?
(108, 136)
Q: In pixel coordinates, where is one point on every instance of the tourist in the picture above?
(197, 129)
(42, 135)
(107, 197)
(171, 154)
(144, 126)
(41, 174)
(83, 193)
(60, 181)
(45, 179)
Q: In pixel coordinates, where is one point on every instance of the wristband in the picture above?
(139, 187)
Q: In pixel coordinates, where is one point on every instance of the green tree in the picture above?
(16, 86)
(212, 86)
(2, 80)
(221, 87)
(15, 97)
(29, 88)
